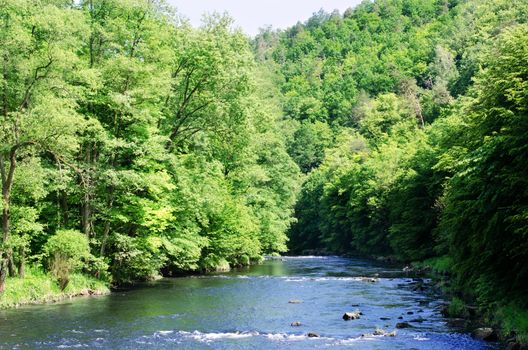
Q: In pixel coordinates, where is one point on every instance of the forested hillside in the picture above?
(133, 145)
(412, 129)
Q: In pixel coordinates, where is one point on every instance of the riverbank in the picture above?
(505, 322)
(38, 287)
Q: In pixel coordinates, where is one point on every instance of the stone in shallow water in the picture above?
(383, 332)
(369, 279)
(313, 335)
(485, 333)
(352, 315)
(295, 301)
(296, 324)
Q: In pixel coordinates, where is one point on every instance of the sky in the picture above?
(251, 15)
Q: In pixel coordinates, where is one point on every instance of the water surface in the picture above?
(246, 309)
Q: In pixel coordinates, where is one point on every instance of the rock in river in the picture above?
(296, 324)
(401, 325)
(352, 315)
(384, 333)
(485, 333)
(313, 335)
(418, 320)
(369, 279)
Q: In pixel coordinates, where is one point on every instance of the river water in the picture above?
(246, 309)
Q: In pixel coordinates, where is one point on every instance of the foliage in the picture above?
(485, 215)
(436, 92)
(69, 245)
(157, 141)
(514, 319)
(65, 252)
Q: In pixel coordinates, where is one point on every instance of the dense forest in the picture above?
(133, 145)
(411, 126)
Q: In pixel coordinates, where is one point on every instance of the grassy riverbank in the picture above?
(39, 287)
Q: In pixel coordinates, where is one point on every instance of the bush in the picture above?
(98, 267)
(457, 308)
(514, 318)
(135, 259)
(244, 260)
(64, 253)
(213, 262)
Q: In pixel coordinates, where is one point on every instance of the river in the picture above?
(246, 309)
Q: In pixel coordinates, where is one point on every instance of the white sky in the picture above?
(251, 15)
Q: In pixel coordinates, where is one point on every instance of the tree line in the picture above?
(133, 145)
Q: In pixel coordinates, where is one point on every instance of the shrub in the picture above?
(457, 308)
(65, 252)
(135, 259)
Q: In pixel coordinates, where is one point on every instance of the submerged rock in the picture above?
(457, 322)
(296, 324)
(352, 315)
(401, 325)
(313, 335)
(419, 287)
(384, 318)
(369, 279)
(294, 301)
(386, 259)
(384, 333)
(485, 333)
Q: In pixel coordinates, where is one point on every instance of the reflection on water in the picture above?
(246, 309)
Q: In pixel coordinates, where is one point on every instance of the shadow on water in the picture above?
(247, 309)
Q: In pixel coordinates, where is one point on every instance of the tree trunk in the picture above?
(86, 214)
(106, 231)
(6, 219)
(3, 273)
(7, 183)
(86, 210)
(4, 253)
(22, 263)
(11, 263)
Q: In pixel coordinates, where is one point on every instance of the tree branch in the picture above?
(36, 77)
